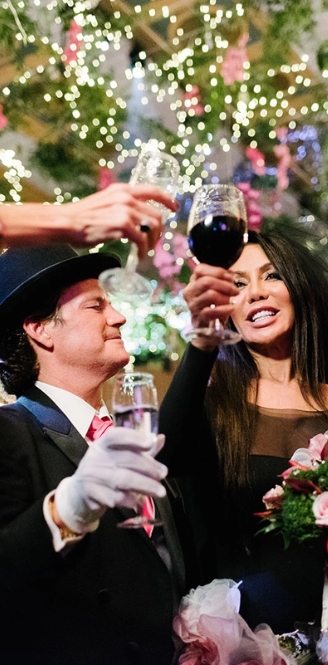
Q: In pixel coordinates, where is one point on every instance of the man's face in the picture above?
(86, 333)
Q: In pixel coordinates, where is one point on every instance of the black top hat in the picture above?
(30, 277)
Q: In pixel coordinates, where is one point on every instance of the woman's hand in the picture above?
(115, 212)
(208, 296)
(118, 212)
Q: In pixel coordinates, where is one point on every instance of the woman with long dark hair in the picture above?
(242, 410)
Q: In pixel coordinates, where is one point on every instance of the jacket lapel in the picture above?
(60, 430)
(163, 506)
(55, 424)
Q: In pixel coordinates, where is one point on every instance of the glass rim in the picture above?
(218, 185)
(133, 376)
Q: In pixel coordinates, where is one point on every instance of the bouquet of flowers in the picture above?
(209, 624)
(299, 510)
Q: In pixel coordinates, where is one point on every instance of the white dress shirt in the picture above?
(80, 413)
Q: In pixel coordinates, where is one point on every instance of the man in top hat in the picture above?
(74, 589)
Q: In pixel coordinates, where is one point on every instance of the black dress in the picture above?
(281, 587)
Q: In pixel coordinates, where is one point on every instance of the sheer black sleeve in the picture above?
(182, 416)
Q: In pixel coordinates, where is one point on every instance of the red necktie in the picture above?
(98, 427)
(95, 431)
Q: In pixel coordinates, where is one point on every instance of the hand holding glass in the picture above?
(156, 168)
(135, 405)
(217, 231)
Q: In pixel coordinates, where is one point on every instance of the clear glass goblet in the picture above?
(135, 405)
(157, 168)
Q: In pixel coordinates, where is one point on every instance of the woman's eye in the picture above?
(239, 283)
(273, 275)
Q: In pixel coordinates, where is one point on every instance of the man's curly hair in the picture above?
(19, 367)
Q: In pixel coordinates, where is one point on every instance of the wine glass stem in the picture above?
(132, 260)
(215, 324)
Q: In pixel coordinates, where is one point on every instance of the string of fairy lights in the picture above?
(241, 106)
(84, 101)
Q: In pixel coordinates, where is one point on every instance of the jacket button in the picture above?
(103, 596)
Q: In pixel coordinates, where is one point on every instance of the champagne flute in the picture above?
(135, 405)
(217, 231)
(157, 168)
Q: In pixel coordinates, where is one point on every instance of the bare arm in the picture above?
(115, 212)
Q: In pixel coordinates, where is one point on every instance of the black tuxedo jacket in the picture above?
(109, 600)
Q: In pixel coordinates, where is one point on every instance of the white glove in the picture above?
(112, 471)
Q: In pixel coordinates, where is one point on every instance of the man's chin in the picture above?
(126, 362)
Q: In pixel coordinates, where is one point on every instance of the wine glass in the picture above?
(135, 405)
(157, 168)
(217, 231)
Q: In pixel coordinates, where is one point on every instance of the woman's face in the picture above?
(263, 313)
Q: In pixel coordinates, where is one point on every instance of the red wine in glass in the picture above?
(217, 232)
(218, 240)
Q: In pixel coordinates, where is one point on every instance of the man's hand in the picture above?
(113, 470)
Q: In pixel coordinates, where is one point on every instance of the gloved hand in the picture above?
(114, 468)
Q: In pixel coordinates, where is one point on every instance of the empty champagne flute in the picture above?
(217, 232)
(135, 405)
(157, 168)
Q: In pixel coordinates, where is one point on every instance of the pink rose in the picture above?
(318, 447)
(293, 466)
(320, 509)
(273, 498)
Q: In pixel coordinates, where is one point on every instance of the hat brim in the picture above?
(46, 283)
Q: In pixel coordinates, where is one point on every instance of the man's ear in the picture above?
(38, 331)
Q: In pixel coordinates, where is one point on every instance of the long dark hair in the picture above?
(229, 396)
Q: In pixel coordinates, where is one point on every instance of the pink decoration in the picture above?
(232, 68)
(191, 100)
(105, 177)
(200, 653)
(253, 210)
(257, 159)
(214, 633)
(281, 134)
(166, 261)
(3, 119)
(74, 43)
(282, 153)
